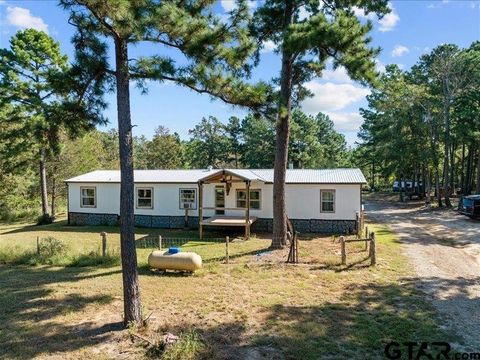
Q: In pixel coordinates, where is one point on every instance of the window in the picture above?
(188, 199)
(144, 198)
(327, 201)
(88, 197)
(255, 198)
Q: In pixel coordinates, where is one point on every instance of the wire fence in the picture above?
(158, 241)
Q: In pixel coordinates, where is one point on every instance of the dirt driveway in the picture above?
(444, 249)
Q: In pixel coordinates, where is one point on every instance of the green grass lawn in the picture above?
(255, 306)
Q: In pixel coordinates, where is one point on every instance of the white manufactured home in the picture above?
(320, 201)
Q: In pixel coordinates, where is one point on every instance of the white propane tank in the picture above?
(186, 261)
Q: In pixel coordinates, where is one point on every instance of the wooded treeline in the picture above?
(237, 143)
(424, 124)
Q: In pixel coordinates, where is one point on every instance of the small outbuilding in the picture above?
(317, 200)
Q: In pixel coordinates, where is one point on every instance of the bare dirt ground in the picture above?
(444, 249)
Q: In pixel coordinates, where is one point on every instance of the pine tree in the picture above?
(45, 95)
(214, 54)
(165, 151)
(329, 31)
(209, 145)
(449, 77)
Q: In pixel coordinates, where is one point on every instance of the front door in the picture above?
(219, 199)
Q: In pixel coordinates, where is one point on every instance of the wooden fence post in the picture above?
(373, 250)
(366, 237)
(103, 234)
(159, 242)
(357, 220)
(344, 252)
(227, 240)
(38, 245)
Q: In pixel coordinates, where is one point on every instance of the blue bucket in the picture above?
(173, 250)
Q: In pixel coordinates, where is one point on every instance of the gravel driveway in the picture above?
(444, 249)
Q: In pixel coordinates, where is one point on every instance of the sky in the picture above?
(411, 29)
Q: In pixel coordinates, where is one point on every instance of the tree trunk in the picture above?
(433, 149)
(43, 183)
(402, 188)
(279, 238)
(446, 167)
(424, 177)
(373, 175)
(468, 177)
(428, 188)
(462, 170)
(477, 188)
(453, 169)
(131, 293)
(437, 187)
(54, 195)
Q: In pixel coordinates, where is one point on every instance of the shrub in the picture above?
(45, 219)
(51, 251)
(50, 247)
(189, 346)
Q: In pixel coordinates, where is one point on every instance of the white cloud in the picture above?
(379, 66)
(229, 5)
(346, 121)
(22, 18)
(358, 12)
(389, 21)
(268, 46)
(399, 50)
(338, 75)
(331, 97)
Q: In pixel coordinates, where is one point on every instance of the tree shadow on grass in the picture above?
(30, 305)
(362, 322)
(356, 325)
(360, 325)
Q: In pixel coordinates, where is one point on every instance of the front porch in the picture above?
(225, 179)
(224, 220)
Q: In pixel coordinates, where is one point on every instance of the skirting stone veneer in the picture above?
(178, 222)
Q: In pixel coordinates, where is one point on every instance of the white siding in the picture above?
(303, 200)
(107, 198)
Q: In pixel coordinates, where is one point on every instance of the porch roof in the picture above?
(223, 174)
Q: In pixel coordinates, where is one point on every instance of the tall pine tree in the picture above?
(214, 57)
(45, 95)
(307, 34)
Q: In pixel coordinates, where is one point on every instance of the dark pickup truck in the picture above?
(470, 206)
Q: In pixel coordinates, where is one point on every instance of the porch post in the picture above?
(247, 212)
(200, 210)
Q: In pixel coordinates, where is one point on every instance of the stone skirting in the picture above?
(310, 226)
(178, 222)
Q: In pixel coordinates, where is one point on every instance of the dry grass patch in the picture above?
(255, 307)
